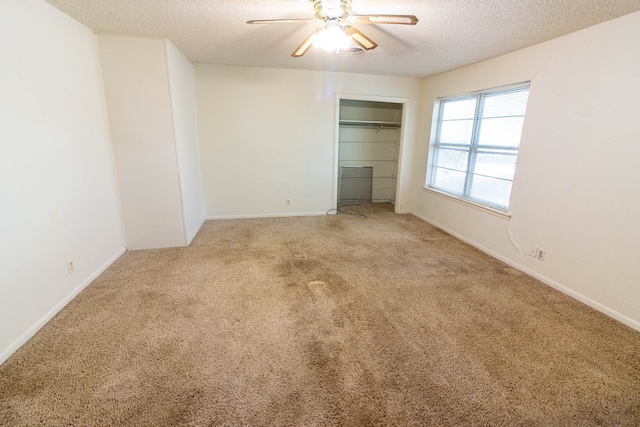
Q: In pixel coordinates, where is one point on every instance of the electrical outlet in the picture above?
(533, 251)
(71, 266)
(540, 254)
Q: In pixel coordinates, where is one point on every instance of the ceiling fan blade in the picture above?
(279, 21)
(383, 19)
(305, 45)
(360, 38)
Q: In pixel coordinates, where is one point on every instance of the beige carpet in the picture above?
(336, 320)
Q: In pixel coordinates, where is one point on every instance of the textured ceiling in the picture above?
(450, 34)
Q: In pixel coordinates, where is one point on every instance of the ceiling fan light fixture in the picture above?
(332, 37)
(351, 50)
(335, 35)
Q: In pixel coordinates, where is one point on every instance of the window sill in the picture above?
(493, 211)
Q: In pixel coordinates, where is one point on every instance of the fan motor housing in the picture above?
(332, 9)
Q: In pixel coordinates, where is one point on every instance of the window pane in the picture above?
(453, 159)
(459, 109)
(506, 104)
(448, 180)
(490, 190)
(496, 165)
(476, 145)
(456, 132)
(504, 132)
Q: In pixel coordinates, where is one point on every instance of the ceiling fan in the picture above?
(336, 34)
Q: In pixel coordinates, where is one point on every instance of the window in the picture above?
(476, 144)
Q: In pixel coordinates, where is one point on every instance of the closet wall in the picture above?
(368, 150)
(149, 86)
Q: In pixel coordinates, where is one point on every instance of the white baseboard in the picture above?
(634, 324)
(22, 339)
(275, 215)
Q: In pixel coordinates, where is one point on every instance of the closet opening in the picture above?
(368, 147)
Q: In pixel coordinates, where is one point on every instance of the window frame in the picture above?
(472, 148)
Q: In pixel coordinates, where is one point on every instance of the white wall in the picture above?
(183, 96)
(57, 192)
(576, 192)
(267, 135)
(136, 79)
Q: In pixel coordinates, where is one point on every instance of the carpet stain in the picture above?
(323, 321)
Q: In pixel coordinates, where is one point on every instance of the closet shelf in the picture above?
(370, 123)
(367, 160)
(374, 177)
(370, 142)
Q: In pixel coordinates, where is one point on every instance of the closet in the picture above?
(368, 150)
